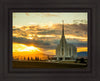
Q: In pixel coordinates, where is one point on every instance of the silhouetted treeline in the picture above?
(26, 58)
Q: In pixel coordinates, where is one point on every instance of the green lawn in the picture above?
(35, 64)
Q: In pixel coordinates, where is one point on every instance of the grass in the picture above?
(36, 64)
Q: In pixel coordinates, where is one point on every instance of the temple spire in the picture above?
(62, 27)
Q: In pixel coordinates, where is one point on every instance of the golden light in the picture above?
(21, 47)
(14, 34)
(46, 35)
(20, 51)
(51, 52)
(29, 37)
(43, 25)
(82, 49)
(32, 48)
(76, 37)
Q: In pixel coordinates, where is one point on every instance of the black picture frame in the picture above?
(35, 70)
(9, 74)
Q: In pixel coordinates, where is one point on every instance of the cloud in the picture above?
(19, 32)
(27, 14)
(49, 38)
(49, 15)
(55, 29)
(79, 21)
(47, 32)
(73, 29)
(38, 43)
(77, 43)
(70, 29)
(47, 44)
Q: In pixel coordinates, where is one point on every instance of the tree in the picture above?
(24, 58)
(48, 57)
(37, 58)
(28, 59)
(82, 60)
(31, 59)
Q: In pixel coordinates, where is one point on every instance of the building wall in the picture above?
(69, 51)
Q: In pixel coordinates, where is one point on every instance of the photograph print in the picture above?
(50, 40)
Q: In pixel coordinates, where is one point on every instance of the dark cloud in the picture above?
(77, 43)
(22, 40)
(19, 32)
(78, 30)
(55, 29)
(73, 29)
(38, 43)
(80, 44)
(44, 44)
(47, 32)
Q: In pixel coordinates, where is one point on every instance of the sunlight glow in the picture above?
(22, 47)
(29, 37)
(82, 49)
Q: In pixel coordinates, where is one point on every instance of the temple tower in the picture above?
(65, 51)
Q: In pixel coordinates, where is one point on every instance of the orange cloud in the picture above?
(76, 37)
(27, 14)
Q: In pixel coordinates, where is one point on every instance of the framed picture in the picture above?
(49, 42)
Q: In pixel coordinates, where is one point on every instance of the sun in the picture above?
(32, 48)
(21, 48)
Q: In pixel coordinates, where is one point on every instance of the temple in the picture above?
(64, 50)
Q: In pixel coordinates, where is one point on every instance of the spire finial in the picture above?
(62, 27)
(63, 21)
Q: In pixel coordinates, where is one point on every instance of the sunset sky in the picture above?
(38, 33)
